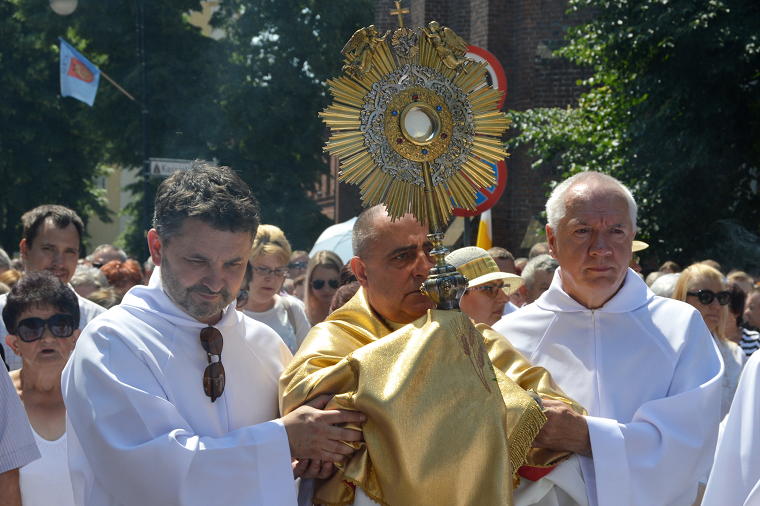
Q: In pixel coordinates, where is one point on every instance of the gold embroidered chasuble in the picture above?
(449, 420)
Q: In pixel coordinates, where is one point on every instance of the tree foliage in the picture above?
(672, 111)
(281, 52)
(249, 101)
(49, 150)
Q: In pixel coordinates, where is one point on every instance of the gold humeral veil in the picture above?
(449, 420)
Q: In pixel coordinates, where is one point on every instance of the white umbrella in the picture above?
(336, 238)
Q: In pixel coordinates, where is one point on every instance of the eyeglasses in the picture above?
(213, 376)
(635, 259)
(706, 296)
(491, 290)
(60, 325)
(97, 265)
(298, 265)
(242, 298)
(318, 284)
(279, 272)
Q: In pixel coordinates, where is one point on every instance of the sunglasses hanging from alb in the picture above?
(213, 376)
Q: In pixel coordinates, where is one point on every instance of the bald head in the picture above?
(586, 187)
(366, 229)
(391, 260)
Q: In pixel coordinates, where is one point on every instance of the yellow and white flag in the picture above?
(485, 232)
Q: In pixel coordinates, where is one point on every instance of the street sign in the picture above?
(495, 75)
(488, 197)
(165, 167)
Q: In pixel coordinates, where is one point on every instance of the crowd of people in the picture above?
(228, 365)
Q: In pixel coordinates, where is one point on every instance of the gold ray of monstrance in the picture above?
(415, 125)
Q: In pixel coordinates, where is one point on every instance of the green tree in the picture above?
(672, 111)
(53, 148)
(280, 54)
(49, 149)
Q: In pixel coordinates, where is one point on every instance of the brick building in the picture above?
(522, 34)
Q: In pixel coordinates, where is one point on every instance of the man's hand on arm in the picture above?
(315, 441)
(564, 429)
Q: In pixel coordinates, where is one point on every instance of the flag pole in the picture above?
(133, 99)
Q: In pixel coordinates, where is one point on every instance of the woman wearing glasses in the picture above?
(42, 315)
(488, 289)
(703, 287)
(269, 258)
(321, 283)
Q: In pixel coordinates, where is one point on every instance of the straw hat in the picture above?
(478, 266)
(638, 246)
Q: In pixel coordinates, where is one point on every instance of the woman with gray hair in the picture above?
(87, 279)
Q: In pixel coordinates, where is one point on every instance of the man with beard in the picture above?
(172, 395)
(50, 242)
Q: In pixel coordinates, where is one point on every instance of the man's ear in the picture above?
(12, 342)
(552, 240)
(24, 249)
(357, 265)
(156, 246)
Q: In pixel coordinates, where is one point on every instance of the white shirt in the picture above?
(87, 311)
(47, 481)
(141, 429)
(276, 318)
(735, 477)
(648, 372)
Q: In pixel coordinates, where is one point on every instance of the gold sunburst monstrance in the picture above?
(414, 122)
(415, 125)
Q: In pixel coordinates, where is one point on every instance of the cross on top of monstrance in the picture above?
(400, 13)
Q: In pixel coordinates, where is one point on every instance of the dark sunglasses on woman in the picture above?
(60, 325)
(706, 296)
(318, 284)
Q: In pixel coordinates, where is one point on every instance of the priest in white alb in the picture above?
(735, 477)
(172, 396)
(645, 368)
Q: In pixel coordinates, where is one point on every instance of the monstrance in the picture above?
(415, 125)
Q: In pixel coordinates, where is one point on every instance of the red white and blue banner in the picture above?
(79, 77)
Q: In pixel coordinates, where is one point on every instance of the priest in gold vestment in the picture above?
(452, 408)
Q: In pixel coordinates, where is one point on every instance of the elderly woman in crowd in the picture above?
(702, 286)
(87, 279)
(123, 275)
(42, 315)
(269, 258)
(665, 285)
(321, 284)
(488, 288)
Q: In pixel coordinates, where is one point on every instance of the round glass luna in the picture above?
(420, 123)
